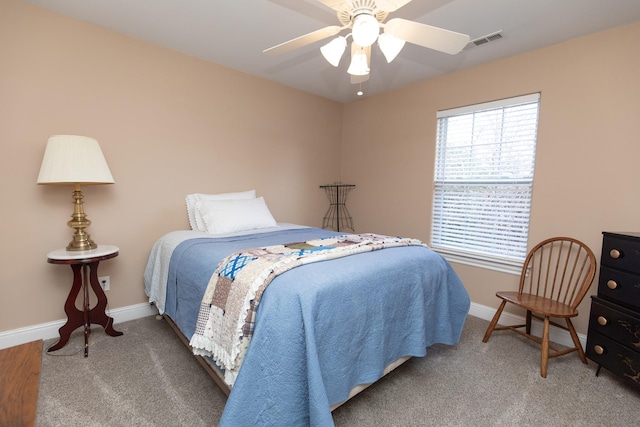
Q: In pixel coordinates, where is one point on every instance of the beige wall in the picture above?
(169, 125)
(586, 175)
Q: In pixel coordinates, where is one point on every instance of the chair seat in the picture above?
(540, 305)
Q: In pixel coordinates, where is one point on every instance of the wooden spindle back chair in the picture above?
(555, 277)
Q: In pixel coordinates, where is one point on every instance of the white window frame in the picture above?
(468, 185)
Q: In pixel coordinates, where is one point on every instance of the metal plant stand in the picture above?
(337, 217)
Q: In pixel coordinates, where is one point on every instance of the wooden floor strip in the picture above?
(19, 384)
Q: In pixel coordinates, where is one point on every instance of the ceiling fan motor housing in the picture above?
(348, 12)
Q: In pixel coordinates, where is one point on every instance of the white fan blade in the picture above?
(336, 4)
(427, 36)
(301, 41)
(359, 79)
(391, 5)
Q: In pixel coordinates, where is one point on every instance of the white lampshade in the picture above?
(390, 46)
(333, 50)
(359, 64)
(71, 159)
(365, 30)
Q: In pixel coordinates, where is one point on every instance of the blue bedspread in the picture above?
(323, 328)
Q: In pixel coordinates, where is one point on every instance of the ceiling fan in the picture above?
(365, 18)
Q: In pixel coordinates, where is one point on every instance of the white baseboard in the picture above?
(45, 331)
(557, 335)
(49, 330)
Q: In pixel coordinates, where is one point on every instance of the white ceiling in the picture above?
(234, 33)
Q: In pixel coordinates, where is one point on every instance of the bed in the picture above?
(323, 330)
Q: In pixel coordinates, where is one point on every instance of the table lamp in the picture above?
(75, 160)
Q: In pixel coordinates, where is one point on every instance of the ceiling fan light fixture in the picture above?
(390, 46)
(365, 29)
(359, 64)
(333, 50)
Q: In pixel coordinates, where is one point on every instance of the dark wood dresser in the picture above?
(613, 340)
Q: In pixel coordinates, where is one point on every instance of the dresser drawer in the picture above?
(621, 252)
(619, 286)
(615, 322)
(618, 359)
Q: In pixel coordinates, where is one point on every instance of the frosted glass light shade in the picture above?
(390, 46)
(365, 30)
(359, 64)
(333, 50)
(72, 159)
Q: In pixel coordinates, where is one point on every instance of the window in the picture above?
(485, 157)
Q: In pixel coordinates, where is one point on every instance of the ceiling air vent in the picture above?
(480, 41)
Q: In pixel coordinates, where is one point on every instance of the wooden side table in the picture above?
(85, 273)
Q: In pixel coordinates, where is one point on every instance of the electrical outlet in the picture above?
(105, 282)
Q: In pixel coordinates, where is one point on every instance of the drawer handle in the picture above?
(611, 284)
(615, 254)
(602, 320)
(598, 349)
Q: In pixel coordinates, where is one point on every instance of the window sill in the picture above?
(496, 264)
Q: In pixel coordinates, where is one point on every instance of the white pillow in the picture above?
(230, 216)
(195, 218)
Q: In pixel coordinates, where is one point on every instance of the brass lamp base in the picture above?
(81, 243)
(81, 239)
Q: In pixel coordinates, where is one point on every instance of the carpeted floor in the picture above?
(147, 377)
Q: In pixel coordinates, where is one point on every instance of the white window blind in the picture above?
(485, 157)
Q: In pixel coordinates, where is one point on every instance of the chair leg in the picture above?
(544, 353)
(576, 341)
(528, 322)
(494, 321)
